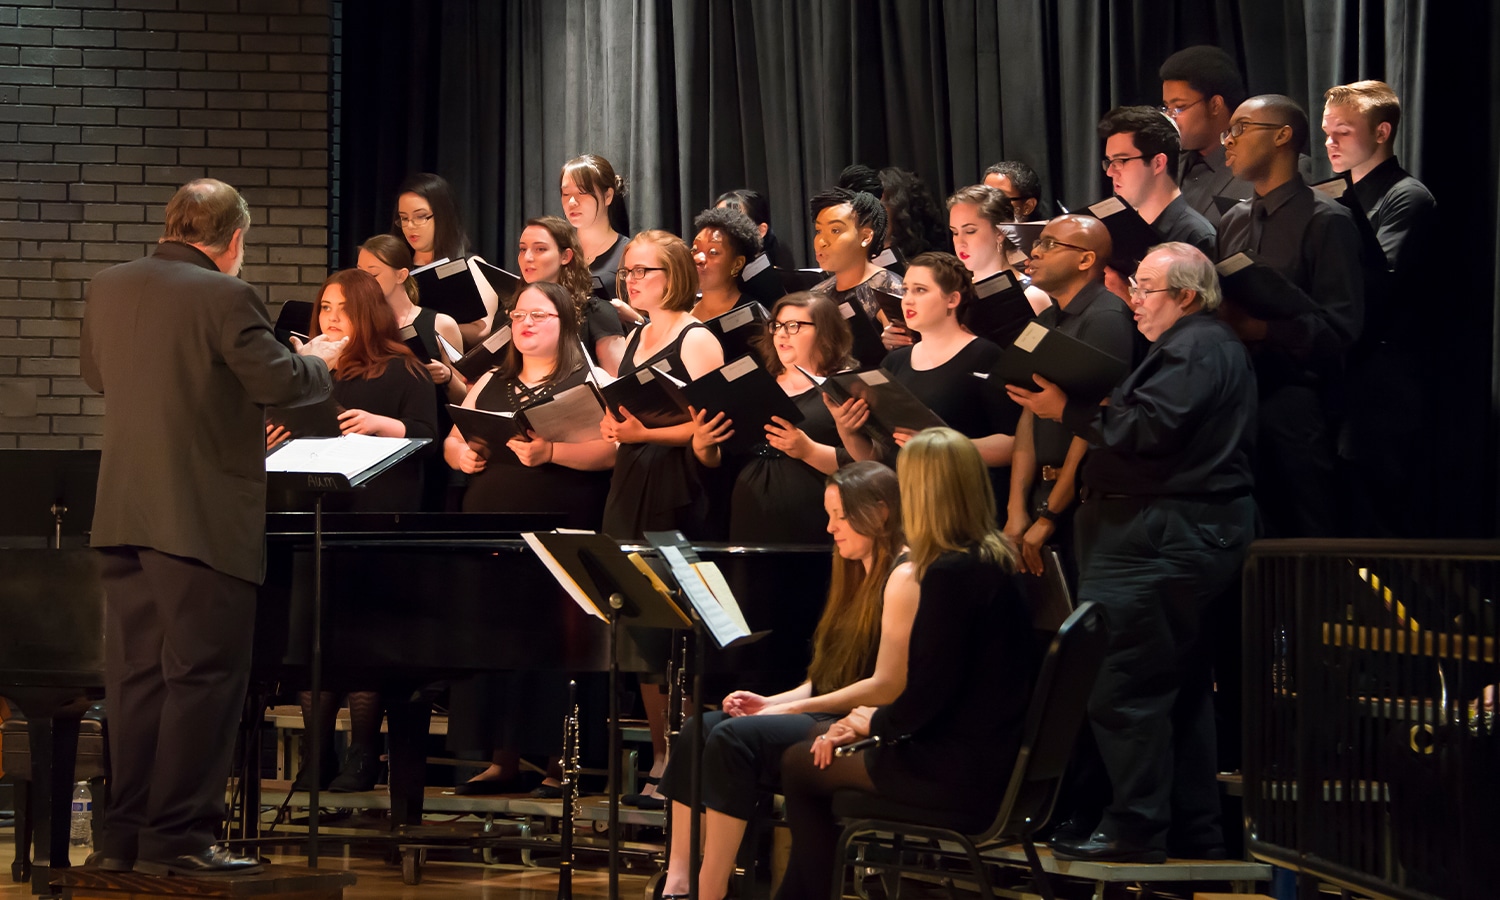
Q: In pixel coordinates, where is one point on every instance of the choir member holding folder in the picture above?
(943, 370)
(655, 486)
(779, 486)
(848, 233)
(389, 260)
(724, 243)
(753, 204)
(379, 386)
(529, 473)
(427, 217)
(859, 659)
(976, 216)
(593, 200)
(549, 251)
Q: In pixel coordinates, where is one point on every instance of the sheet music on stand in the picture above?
(706, 590)
(337, 464)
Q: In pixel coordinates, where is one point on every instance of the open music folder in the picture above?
(337, 463)
(745, 392)
(448, 286)
(315, 420)
(867, 348)
(484, 355)
(892, 406)
(590, 567)
(706, 589)
(1000, 309)
(649, 394)
(1260, 290)
(738, 329)
(1130, 235)
(568, 417)
(1084, 372)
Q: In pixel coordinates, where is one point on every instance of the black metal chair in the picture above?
(1058, 704)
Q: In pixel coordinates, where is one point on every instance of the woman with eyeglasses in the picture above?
(593, 200)
(725, 242)
(951, 734)
(549, 251)
(940, 369)
(655, 486)
(778, 488)
(858, 659)
(976, 216)
(427, 219)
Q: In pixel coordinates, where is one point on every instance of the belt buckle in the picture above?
(1051, 473)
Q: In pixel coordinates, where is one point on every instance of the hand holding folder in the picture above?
(1083, 372)
(747, 395)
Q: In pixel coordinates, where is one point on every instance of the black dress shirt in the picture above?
(1101, 320)
(1311, 240)
(1180, 222)
(1204, 178)
(1399, 207)
(1183, 423)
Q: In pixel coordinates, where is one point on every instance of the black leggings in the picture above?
(809, 811)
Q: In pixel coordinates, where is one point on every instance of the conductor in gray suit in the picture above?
(186, 358)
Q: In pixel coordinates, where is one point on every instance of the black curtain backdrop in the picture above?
(689, 98)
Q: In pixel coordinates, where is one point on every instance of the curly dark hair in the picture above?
(738, 230)
(869, 213)
(916, 223)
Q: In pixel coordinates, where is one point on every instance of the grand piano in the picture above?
(408, 600)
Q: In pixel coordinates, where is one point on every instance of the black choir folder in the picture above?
(747, 394)
(567, 417)
(738, 329)
(649, 394)
(1260, 290)
(892, 406)
(506, 284)
(414, 343)
(1084, 372)
(1130, 234)
(336, 464)
(484, 355)
(762, 281)
(591, 567)
(448, 286)
(867, 347)
(315, 420)
(1000, 309)
(294, 320)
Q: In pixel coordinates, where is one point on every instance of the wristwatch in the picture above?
(1043, 511)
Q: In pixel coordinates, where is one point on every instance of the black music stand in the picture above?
(666, 542)
(319, 480)
(594, 567)
(48, 493)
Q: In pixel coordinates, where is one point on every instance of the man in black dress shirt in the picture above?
(1383, 438)
(1067, 262)
(186, 358)
(1200, 88)
(1140, 157)
(1299, 362)
(1169, 517)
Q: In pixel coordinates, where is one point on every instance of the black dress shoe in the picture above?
(97, 860)
(1102, 848)
(1073, 830)
(360, 772)
(211, 862)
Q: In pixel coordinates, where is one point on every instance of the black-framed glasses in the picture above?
(418, 220)
(790, 326)
(537, 316)
(1173, 112)
(1111, 162)
(1047, 243)
(1238, 129)
(636, 273)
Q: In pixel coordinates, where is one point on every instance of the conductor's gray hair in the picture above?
(1190, 270)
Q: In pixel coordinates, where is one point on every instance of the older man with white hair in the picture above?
(1166, 520)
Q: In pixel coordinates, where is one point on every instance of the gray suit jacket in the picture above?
(186, 359)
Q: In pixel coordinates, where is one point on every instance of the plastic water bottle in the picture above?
(81, 834)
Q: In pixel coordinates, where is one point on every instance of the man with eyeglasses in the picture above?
(1140, 157)
(1299, 362)
(1168, 519)
(1068, 263)
(1200, 87)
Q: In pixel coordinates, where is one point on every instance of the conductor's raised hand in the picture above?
(710, 432)
(276, 434)
(322, 347)
(849, 416)
(1047, 403)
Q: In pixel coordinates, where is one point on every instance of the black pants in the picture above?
(1296, 473)
(177, 641)
(741, 758)
(1161, 569)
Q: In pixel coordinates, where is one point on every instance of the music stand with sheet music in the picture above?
(327, 466)
(48, 493)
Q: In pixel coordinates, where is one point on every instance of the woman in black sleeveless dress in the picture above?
(655, 486)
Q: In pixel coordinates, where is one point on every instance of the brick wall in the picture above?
(106, 106)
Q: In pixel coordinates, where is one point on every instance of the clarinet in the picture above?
(570, 768)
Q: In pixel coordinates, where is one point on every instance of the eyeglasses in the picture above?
(1175, 111)
(1116, 162)
(637, 273)
(791, 326)
(1238, 129)
(1137, 292)
(418, 220)
(536, 316)
(1047, 243)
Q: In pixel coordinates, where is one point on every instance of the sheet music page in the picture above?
(722, 592)
(554, 567)
(348, 455)
(719, 623)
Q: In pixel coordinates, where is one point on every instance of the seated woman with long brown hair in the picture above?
(859, 658)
